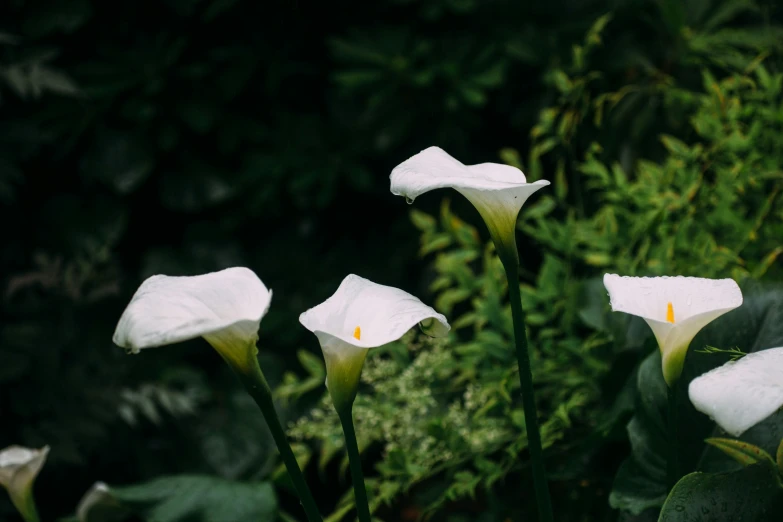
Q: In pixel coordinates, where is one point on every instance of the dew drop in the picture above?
(408, 200)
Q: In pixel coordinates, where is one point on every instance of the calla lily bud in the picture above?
(740, 394)
(676, 308)
(95, 496)
(19, 466)
(359, 316)
(99, 505)
(225, 308)
(497, 191)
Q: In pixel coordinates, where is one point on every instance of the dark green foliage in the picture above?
(447, 415)
(186, 136)
(696, 211)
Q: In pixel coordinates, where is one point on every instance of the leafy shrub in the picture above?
(446, 419)
(245, 132)
(446, 410)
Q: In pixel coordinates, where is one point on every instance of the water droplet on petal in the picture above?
(408, 200)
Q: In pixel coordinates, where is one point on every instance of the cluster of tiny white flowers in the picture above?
(403, 401)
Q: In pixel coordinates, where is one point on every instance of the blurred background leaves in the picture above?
(186, 136)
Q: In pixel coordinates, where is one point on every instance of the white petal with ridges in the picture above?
(219, 306)
(497, 191)
(740, 394)
(695, 303)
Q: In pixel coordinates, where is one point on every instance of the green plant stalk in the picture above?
(510, 263)
(673, 464)
(32, 516)
(255, 383)
(355, 460)
(26, 506)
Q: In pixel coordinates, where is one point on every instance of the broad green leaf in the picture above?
(751, 494)
(634, 490)
(191, 498)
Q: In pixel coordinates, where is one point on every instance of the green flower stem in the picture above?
(362, 506)
(255, 383)
(673, 464)
(510, 263)
(26, 507)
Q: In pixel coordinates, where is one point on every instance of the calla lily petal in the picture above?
(19, 466)
(740, 394)
(362, 315)
(224, 307)
(383, 313)
(497, 191)
(676, 308)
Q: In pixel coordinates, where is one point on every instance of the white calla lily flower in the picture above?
(676, 308)
(497, 191)
(740, 394)
(225, 308)
(361, 315)
(19, 466)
